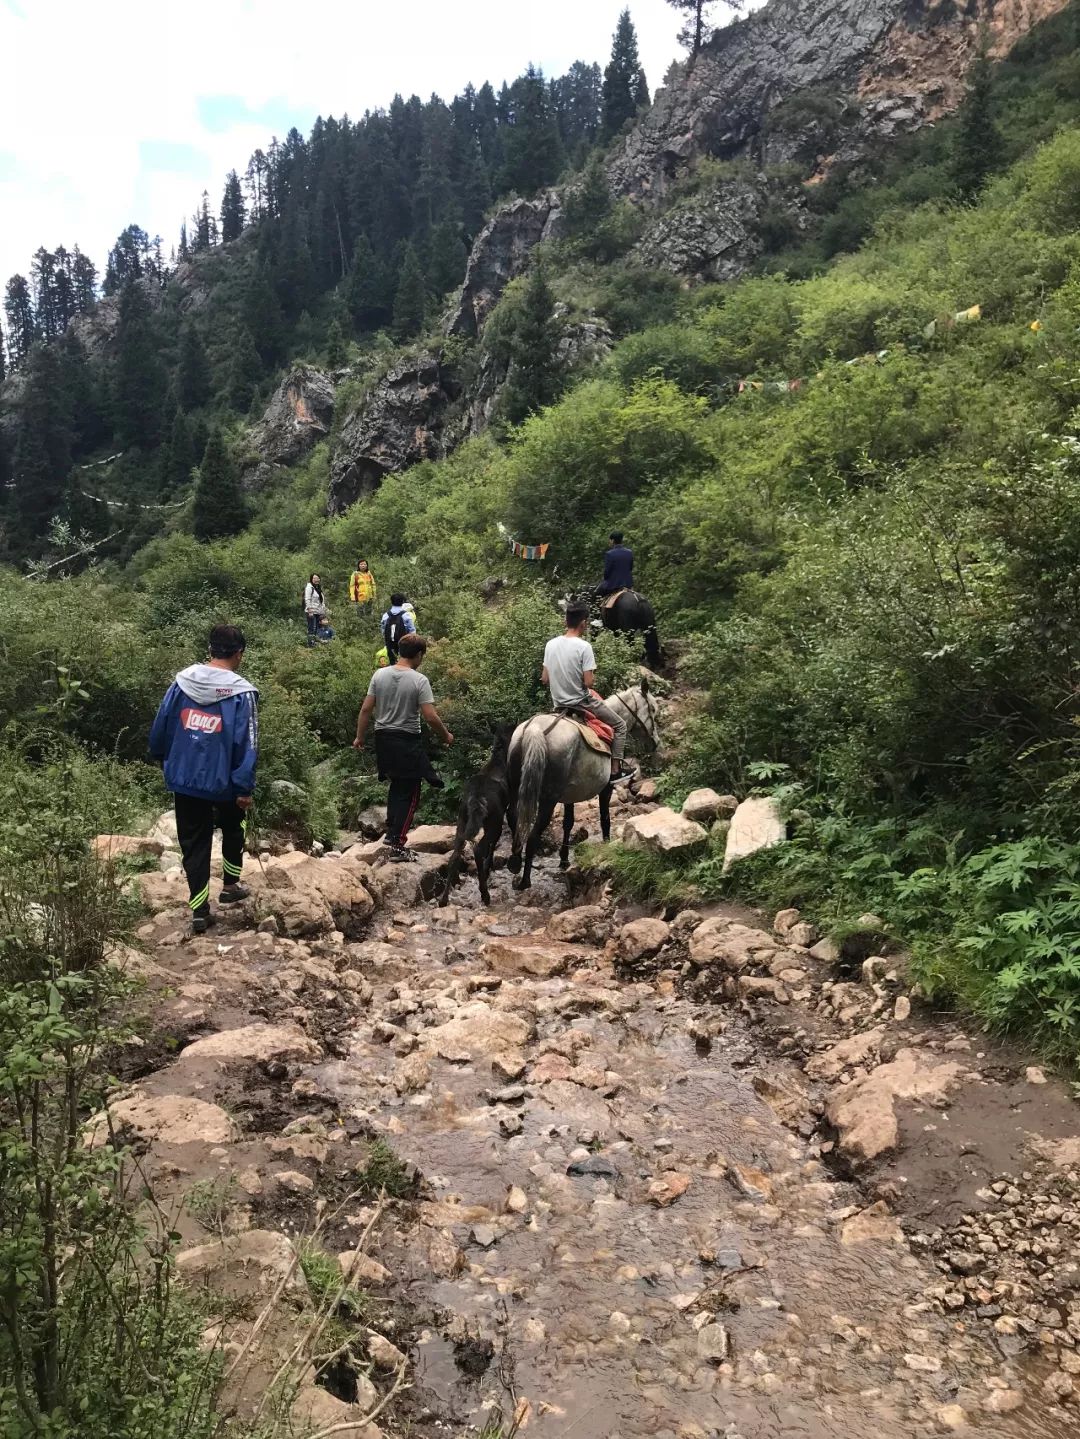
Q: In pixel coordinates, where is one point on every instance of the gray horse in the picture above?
(551, 763)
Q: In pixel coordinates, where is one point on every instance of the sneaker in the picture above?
(626, 772)
(233, 894)
(201, 921)
(400, 855)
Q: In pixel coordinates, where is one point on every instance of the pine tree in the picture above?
(201, 221)
(139, 380)
(365, 290)
(533, 377)
(446, 257)
(183, 249)
(532, 151)
(84, 280)
(336, 352)
(977, 149)
(410, 301)
(42, 459)
(3, 360)
(22, 327)
(642, 98)
(588, 205)
(696, 12)
(218, 507)
(621, 81)
(245, 371)
(261, 314)
(232, 209)
(180, 455)
(193, 370)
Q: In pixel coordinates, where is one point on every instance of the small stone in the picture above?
(294, 1181)
(902, 1009)
(668, 1188)
(1034, 1075)
(517, 1201)
(1004, 1401)
(509, 1067)
(713, 1343)
(951, 1416)
(923, 1363)
(595, 1165)
(1059, 1386)
(618, 1322)
(483, 1234)
(511, 1124)
(269, 925)
(384, 1355)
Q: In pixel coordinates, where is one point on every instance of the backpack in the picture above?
(394, 632)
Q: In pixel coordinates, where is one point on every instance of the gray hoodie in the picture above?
(206, 684)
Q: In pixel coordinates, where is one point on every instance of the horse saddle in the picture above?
(613, 598)
(596, 734)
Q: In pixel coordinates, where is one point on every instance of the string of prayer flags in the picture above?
(528, 552)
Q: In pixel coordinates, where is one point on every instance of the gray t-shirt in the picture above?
(567, 659)
(398, 695)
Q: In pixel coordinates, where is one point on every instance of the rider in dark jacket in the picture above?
(618, 566)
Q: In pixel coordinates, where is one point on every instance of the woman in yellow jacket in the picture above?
(362, 588)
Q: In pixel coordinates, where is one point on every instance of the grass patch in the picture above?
(385, 1172)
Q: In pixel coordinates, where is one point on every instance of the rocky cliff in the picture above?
(893, 62)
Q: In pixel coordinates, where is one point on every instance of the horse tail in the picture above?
(653, 653)
(533, 760)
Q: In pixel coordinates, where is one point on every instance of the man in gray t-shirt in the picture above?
(398, 697)
(570, 673)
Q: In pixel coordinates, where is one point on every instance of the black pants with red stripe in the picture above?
(401, 804)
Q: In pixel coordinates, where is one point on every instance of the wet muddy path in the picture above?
(647, 1248)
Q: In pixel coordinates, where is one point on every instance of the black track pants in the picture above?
(196, 820)
(401, 805)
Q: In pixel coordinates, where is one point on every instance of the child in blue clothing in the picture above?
(206, 735)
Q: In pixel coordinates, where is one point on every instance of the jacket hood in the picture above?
(206, 684)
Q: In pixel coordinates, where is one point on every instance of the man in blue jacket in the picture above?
(618, 566)
(206, 734)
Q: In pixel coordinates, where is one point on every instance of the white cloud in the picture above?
(90, 89)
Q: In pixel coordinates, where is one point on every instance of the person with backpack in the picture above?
(314, 607)
(397, 622)
(206, 736)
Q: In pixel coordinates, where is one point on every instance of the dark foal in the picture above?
(481, 813)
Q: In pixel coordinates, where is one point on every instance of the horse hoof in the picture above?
(564, 864)
(513, 864)
(522, 883)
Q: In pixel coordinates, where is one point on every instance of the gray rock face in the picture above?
(296, 419)
(499, 255)
(718, 106)
(712, 236)
(397, 425)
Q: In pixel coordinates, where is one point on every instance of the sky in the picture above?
(119, 112)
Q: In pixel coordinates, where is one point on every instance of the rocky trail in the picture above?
(591, 1173)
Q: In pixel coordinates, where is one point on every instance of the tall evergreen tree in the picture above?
(201, 223)
(335, 353)
(193, 369)
(587, 204)
(127, 260)
(533, 376)
(245, 371)
(445, 257)
(977, 149)
(532, 151)
(42, 459)
(218, 507)
(232, 209)
(84, 279)
(621, 81)
(642, 98)
(82, 384)
(366, 289)
(260, 314)
(139, 380)
(21, 326)
(697, 14)
(180, 455)
(410, 302)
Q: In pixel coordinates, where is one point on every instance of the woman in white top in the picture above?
(314, 606)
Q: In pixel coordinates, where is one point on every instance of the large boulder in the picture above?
(663, 832)
(397, 424)
(587, 924)
(110, 847)
(756, 824)
(499, 254)
(254, 1044)
(642, 939)
(169, 1119)
(718, 942)
(705, 805)
(298, 416)
(864, 1113)
(528, 956)
(476, 1031)
(244, 1266)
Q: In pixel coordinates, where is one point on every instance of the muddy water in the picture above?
(595, 1294)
